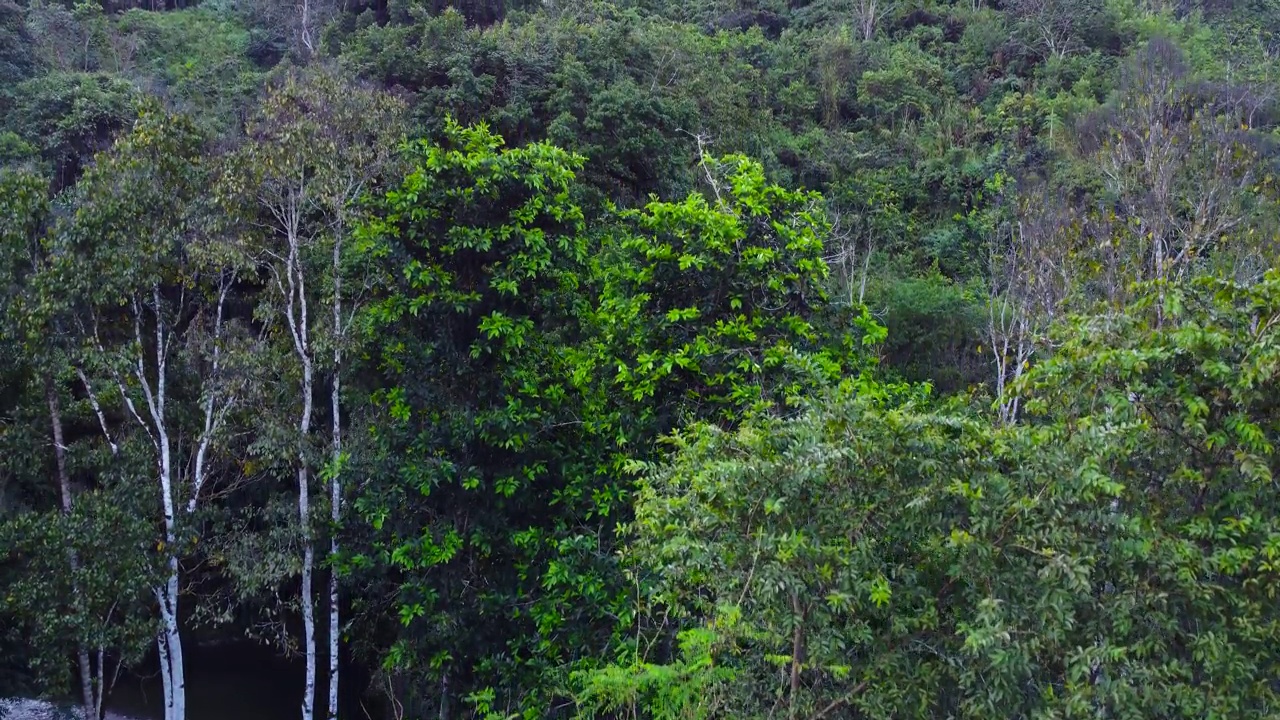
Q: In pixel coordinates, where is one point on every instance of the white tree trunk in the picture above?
(305, 29)
(171, 664)
(308, 606)
(166, 680)
(296, 314)
(335, 479)
(335, 625)
(100, 689)
(869, 15)
(168, 641)
(172, 639)
(308, 549)
(92, 708)
(172, 480)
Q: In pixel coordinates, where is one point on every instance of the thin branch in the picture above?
(124, 393)
(214, 413)
(841, 701)
(97, 410)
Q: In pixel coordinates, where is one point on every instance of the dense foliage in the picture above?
(896, 559)
(646, 359)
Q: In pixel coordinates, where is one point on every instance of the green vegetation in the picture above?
(646, 359)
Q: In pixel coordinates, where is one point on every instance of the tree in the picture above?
(24, 219)
(869, 13)
(872, 216)
(1185, 379)
(484, 262)
(715, 298)
(553, 356)
(69, 117)
(151, 297)
(1181, 176)
(1033, 259)
(1055, 27)
(101, 610)
(911, 559)
(90, 602)
(297, 26)
(315, 146)
(16, 63)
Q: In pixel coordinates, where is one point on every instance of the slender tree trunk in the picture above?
(444, 695)
(100, 688)
(88, 695)
(305, 12)
(170, 640)
(335, 482)
(59, 445)
(168, 594)
(797, 653)
(335, 631)
(166, 679)
(308, 615)
(308, 548)
(97, 410)
(866, 269)
(309, 624)
(297, 316)
(335, 624)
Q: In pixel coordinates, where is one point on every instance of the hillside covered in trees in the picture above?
(521, 359)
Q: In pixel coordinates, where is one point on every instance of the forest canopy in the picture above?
(644, 359)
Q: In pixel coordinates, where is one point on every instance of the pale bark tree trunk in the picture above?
(167, 595)
(215, 408)
(870, 13)
(166, 679)
(97, 410)
(308, 553)
(295, 298)
(1022, 301)
(169, 638)
(100, 689)
(444, 695)
(308, 606)
(1010, 332)
(89, 694)
(305, 189)
(171, 646)
(852, 259)
(335, 479)
(866, 268)
(305, 30)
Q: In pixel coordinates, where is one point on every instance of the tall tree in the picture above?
(315, 146)
(1182, 171)
(25, 214)
(525, 359)
(153, 291)
(1033, 268)
(38, 320)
